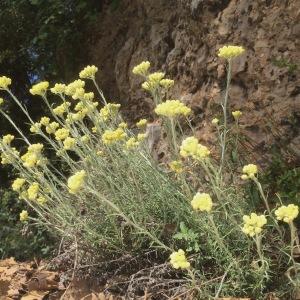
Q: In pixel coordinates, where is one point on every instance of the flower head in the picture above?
(172, 108)
(24, 216)
(76, 182)
(249, 171)
(39, 88)
(142, 68)
(51, 128)
(73, 86)
(229, 52)
(141, 123)
(176, 166)
(253, 224)
(4, 82)
(202, 202)
(45, 121)
(18, 184)
(153, 81)
(109, 111)
(215, 121)
(88, 72)
(287, 213)
(178, 260)
(236, 114)
(33, 191)
(1, 101)
(61, 109)
(191, 147)
(59, 89)
(112, 136)
(61, 134)
(166, 83)
(69, 143)
(131, 143)
(7, 139)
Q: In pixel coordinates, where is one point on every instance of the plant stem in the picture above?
(224, 106)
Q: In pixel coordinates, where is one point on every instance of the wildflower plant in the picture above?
(113, 190)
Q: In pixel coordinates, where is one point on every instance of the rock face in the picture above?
(181, 37)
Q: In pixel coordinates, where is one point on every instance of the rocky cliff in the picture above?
(181, 37)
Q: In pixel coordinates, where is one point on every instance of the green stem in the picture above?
(224, 106)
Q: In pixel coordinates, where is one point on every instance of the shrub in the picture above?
(116, 197)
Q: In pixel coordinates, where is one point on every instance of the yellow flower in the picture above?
(141, 136)
(153, 81)
(73, 86)
(236, 114)
(61, 109)
(78, 94)
(88, 72)
(178, 260)
(61, 134)
(112, 136)
(202, 202)
(94, 129)
(76, 182)
(39, 88)
(7, 139)
(131, 143)
(69, 143)
(45, 121)
(33, 191)
(33, 156)
(249, 171)
(100, 153)
(230, 52)
(9, 157)
(1, 101)
(24, 216)
(287, 213)
(176, 166)
(4, 82)
(35, 127)
(85, 138)
(142, 68)
(51, 128)
(253, 224)
(123, 125)
(215, 121)
(141, 123)
(18, 184)
(191, 147)
(166, 83)
(109, 111)
(172, 108)
(41, 200)
(88, 96)
(59, 88)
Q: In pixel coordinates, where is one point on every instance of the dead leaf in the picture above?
(35, 295)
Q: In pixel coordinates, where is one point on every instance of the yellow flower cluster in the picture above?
(7, 139)
(61, 134)
(33, 191)
(88, 72)
(44, 121)
(142, 68)
(35, 127)
(112, 136)
(191, 147)
(33, 156)
(109, 111)
(73, 86)
(123, 125)
(61, 109)
(166, 83)
(176, 166)
(51, 128)
(131, 143)
(59, 89)
(141, 136)
(229, 52)
(236, 114)
(215, 121)
(178, 260)
(172, 108)
(202, 202)
(153, 81)
(1, 101)
(39, 88)
(287, 213)
(4, 82)
(141, 123)
(253, 224)
(24, 216)
(76, 182)
(69, 143)
(9, 157)
(18, 184)
(249, 171)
